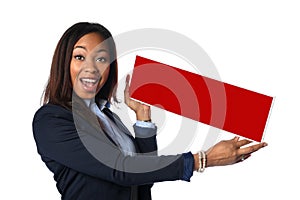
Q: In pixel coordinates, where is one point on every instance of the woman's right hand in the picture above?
(142, 111)
(228, 152)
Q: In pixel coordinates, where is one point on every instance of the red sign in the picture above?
(200, 98)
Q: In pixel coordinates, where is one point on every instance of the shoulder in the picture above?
(51, 110)
(52, 121)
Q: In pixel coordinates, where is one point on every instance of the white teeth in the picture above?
(89, 80)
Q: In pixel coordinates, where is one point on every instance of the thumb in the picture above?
(126, 91)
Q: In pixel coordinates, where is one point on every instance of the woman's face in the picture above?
(89, 66)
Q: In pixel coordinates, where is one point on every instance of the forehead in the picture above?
(92, 41)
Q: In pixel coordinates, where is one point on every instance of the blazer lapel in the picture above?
(115, 118)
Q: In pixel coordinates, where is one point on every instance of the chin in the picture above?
(84, 95)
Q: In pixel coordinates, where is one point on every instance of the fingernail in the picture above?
(265, 144)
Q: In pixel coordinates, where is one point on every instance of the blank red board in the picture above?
(222, 105)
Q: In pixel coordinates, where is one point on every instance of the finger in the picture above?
(247, 156)
(127, 79)
(243, 157)
(126, 91)
(243, 142)
(127, 83)
(236, 138)
(251, 149)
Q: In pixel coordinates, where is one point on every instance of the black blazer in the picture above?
(88, 166)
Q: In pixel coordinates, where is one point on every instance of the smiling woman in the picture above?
(89, 66)
(87, 147)
(72, 45)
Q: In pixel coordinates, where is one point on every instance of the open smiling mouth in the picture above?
(89, 84)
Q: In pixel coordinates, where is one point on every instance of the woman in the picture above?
(86, 146)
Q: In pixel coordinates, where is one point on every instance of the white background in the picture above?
(254, 45)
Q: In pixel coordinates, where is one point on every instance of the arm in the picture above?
(57, 138)
(223, 153)
(146, 139)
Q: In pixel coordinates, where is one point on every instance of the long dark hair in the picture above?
(59, 89)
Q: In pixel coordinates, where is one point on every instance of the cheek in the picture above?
(104, 77)
(105, 74)
(73, 72)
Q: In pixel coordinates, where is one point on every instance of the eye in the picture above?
(79, 57)
(102, 59)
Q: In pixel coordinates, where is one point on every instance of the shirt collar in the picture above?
(102, 103)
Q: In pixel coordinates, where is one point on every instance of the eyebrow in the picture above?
(82, 47)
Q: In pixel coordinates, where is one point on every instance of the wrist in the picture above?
(148, 120)
(143, 118)
(200, 161)
(143, 115)
(208, 160)
(196, 161)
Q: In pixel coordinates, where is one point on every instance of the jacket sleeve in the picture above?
(147, 140)
(86, 150)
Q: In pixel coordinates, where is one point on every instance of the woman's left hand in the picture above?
(142, 111)
(231, 151)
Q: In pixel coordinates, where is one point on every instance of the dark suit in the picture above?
(88, 166)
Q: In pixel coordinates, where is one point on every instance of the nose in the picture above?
(91, 67)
